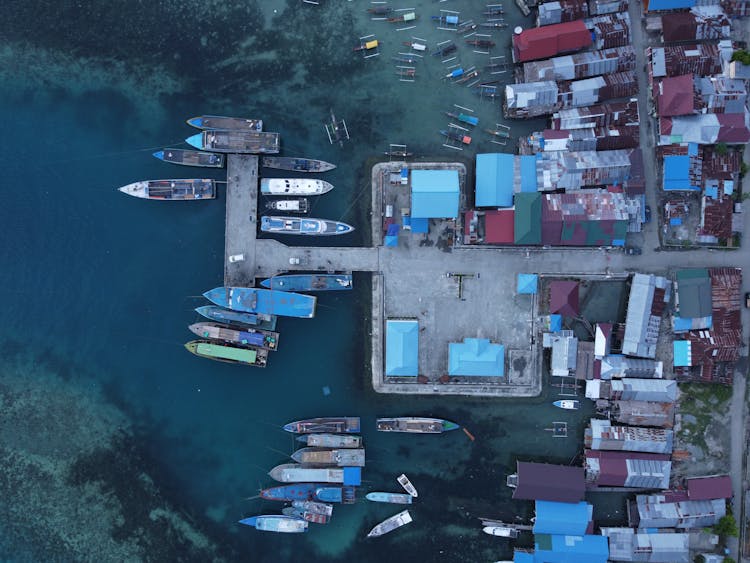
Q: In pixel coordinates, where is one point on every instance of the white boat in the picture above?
(501, 531)
(568, 404)
(390, 524)
(392, 498)
(331, 440)
(406, 484)
(296, 205)
(276, 523)
(294, 186)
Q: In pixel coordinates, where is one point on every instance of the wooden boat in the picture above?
(445, 50)
(338, 424)
(233, 141)
(405, 17)
(400, 154)
(244, 355)
(494, 11)
(415, 425)
(414, 45)
(501, 531)
(403, 480)
(494, 25)
(380, 10)
(468, 76)
(499, 133)
(276, 523)
(446, 19)
(221, 122)
(568, 404)
(245, 337)
(465, 27)
(172, 189)
(405, 58)
(295, 205)
(331, 440)
(390, 524)
(406, 72)
(485, 43)
(463, 118)
(309, 510)
(345, 457)
(455, 136)
(392, 498)
(296, 164)
(366, 45)
(191, 158)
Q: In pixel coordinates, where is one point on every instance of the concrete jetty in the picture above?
(241, 220)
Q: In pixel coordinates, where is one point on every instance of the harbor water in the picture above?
(112, 433)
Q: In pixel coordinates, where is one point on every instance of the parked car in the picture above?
(633, 250)
(648, 214)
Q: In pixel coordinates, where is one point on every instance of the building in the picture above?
(564, 352)
(527, 284)
(642, 413)
(631, 389)
(602, 340)
(528, 219)
(627, 469)
(659, 5)
(675, 95)
(705, 59)
(585, 218)
(627, 544)
(576, 140)
(678, 173)
(563, 298)
(701, 23)
(705, 129)
(561, 11)
(610, 31)
(719, 94)
(543, 481)
(401, 347)
(476, 357)
(616, 366)
(549, 41)
(611, 114)
(563, 517)
(692, 300)
(674, 510)
(580, 65)
(531, 99)
(560, 170)
(707, 488)
(434, 194)
(648, 296)
(602, 435)
(495, 187)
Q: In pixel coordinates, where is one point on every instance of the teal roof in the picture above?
(528, 218)
(527, 284)
(434, 194)
(681, 353)
(494, 184)
(476, 357)
(401, 347)
(562, 517)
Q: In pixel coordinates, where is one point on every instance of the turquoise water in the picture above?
(97, 390)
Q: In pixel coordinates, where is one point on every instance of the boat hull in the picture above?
(392, 523)
(309, 282)
(227, 316)
(415, 425)
(191, 158)
(297, 205)
(320, 492)
(172, 190)
(567, 404)
(330, 440)
(301, 226)
(221, 122)
(294, 186)
(295, 473)
(268, 301)
(276, 523)
(243, 142)
(391, 498)
(403, 480)
(342, 425)
(246, 355)
(225, 333)
(296, 164)
(345, 457)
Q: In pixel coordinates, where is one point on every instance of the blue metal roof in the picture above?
(494, 186)
(476, 357)
(434, 194)
(677, 173)
(527, 284)
(402, 347)
(352, 476)
(420, 225)
(681, 353)
(555, 323)
(528, 174)
(523, 557)
(562, 517)
(571, 549)
(656, 5)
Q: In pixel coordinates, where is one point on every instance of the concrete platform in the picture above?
(241, 222)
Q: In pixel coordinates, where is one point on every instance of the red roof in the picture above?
(542, 481)
(709, 488)
(499, 226)
(613, 466)
(733, 129)
(550, 40)
(563, 298)
(676, 97)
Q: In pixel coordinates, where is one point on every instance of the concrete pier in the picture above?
(241, 220)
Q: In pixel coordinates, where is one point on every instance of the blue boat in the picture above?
(333, 424)
(191, 158)
(298, 226)
(268, 301)
(277, 523)
(309, 282)
(310, 491)
(227, 316)
(221, 122)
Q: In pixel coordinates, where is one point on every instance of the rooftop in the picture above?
(543, 481)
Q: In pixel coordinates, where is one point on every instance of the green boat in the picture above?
(246, 355)
(415, 425)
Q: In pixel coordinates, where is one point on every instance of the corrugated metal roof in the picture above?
(498, 226)
(616, 366)
(476, 357)
(632, 389)
(494, 186)
(528, 218)
(401, 347)
(706, 488)
(544, 481)
(434, 193)
(566, 549)
(654, 511)
(544, 42)
(641, 325)
(527, 284)
(580, 65)
(661, 5)
(562, 517)
(705, 129)
(564, 354)
(643, 413)
(676, 60)
(627, 545)
(627, 469)
(602, 435)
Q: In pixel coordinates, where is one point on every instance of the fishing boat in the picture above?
(399, 154)
(305, 515)
(445, 50)
(486, 43)
(487, 91)
(465, 27)
(248, 337)
(342, 424)
(313, 506)
(296, 473)
(222, 140)
(405, 58)
(220, 122)
(330, 440)
(379, 10)
(568, 404)
(463, 118)
(366, 45)
(403, 480)
(494, 11)
(296, 164)
(309, 282)
(301, 226)
(406, 72)
(504, 133)
(294, 186)
(493, 25)
(294, 205)
(390, 524)
(455, 136)
(310, 491)
(414, 45)
(346, 457)
(501, 531)
(276, 523)
(191, 158)
(245, 355)
(227, 316)
(415, 425)
(267, 301)
(445, 19)
(172, 189)
(405, 17)
(468, 76)
(392, 498)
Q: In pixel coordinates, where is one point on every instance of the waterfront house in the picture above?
(563, 518)
(611, 114)
(401, 347)
(548, 41)
(496, 185)
(602, 339)
(673, 509)
(580, 65)
(632, 389)
(434, 194)
(701, 23)
(649, 295)
(627, 544)
(627, 469)
(585, 218)
(602, 435)
(561, 11)
(544, 481)
(564, 352)
(476, 357)
(615, 366)
(642, 413)
(575, 140)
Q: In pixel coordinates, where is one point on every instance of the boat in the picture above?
(568, 404)
(296, 473)
(330, 440)
(294, 186)
(296, 164)
(405, 58)
(392, 498)
(302, 226)
(313, 506)
(501, 531)
(403, 480)
(445, 50)
(390, 524)
(309, 282)
(246, 355)
(366, 45)
(310, 491)
(512, 480)
(172, 189)
(220, 122)
(248, 337)
(222, 140)
(494, 11)
(463, 118)
(343, 424)
(414, 45)
(466, 26)
(481, 42)
(227, 316)
(406, 72)
(379, 10)
(346, 457)
(191, 158)
(415, 425)
(305, 515)
(493, 25)
(268, 301)
(276, 523)
(295, 205)
(405, 17)
(399, 154)
(455, 136)
(504, 133)
(445, 19)
(487, 91)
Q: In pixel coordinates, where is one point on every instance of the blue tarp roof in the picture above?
(476, 357)
(527, 284)
(571, 549)
(401, 347)
(681, 353)
(712, 191)
(434, 194)
(656, 5)
(555, 323)
(419, 225)
(562, 517)
(528, 174)
(352, 476)
(677, 173)
(728, 187)
(494, 186)
(523, 557)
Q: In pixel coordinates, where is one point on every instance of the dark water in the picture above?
(99, 288)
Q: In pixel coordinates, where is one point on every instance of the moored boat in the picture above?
(276, 523)
(267, 301)
(294, 205)
(313, 506)
(330, 440)
(501, 531)
(266, 322)
(405, 17)
(568, 404)
(485, 43)
(294, 186)
(390, 524)
(345, 457)
(245, 355)
(403, 480)
(248, 337)
(309, 282)
(341, 424)
(191, 158)
(416, 425)
(296, 473)
(222, 140)
(445, 49)
(172, 189)
(305, 515)
(463, 118)
(221, 122)
(455, 136)
(310, 491)
(303, 226)
(296, 164)
(392, 498)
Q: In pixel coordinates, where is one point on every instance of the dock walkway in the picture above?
(241, 222)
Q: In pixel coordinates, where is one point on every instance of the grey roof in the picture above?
(564, 354)
(657, 390)
(655, 512)
(602, 435)
(616, 366)
(641, 326)
(722, 95)
(693, 296)
(625, 544)
(580, 65)
(574, 170)
(643, 413)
